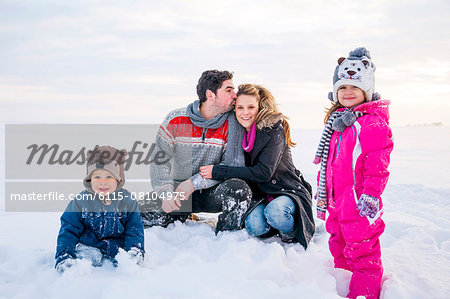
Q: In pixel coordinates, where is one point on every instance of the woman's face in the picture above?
(246, 110)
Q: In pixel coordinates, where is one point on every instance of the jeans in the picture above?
(279, 214)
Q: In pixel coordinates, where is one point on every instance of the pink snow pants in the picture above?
(354, 244)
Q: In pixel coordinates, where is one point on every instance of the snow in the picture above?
(190, 261)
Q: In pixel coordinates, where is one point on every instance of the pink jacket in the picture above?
(359, 156)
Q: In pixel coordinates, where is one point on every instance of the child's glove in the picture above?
(63, 262)
(136, 255)
(368, 205)
(317, 160)
(321, 215)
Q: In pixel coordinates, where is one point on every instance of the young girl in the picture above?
(281, 197)
(103, 218)
(354, 154)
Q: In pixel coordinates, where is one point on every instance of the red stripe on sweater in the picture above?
(182, 126)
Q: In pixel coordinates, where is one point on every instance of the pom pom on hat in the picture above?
(360, 52)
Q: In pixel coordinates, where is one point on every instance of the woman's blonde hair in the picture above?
(267, 107)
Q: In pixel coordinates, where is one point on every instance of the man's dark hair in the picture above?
(211, 80)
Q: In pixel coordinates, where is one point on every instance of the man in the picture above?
(203, 133)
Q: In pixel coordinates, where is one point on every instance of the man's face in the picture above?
(225, 97)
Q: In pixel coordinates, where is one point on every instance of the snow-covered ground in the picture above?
(189, 261)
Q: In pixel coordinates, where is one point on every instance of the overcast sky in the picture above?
(134, 61)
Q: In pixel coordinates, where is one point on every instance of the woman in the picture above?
(281, 197)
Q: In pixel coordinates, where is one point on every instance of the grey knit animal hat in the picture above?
(107, 158)
(357, 70)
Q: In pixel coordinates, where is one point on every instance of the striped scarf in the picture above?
(338, 121)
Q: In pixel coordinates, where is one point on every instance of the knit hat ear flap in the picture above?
(376, 96)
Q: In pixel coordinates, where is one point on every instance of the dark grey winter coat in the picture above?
(270, 166)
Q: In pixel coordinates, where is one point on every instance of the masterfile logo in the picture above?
(45, 164)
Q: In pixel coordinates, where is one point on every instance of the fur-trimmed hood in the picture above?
(269, 121)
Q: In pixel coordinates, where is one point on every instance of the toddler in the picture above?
(102, 218)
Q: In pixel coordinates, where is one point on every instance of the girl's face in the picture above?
(350, 96)
(103, 182)
(246, 110)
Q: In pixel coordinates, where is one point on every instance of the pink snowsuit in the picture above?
(357, 164)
